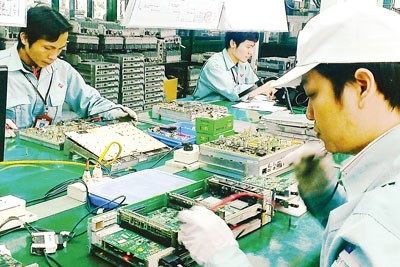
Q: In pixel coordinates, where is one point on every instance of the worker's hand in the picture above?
(124, 112)
(203, 233)
(10, 127)
(314, 169)
(265, 89)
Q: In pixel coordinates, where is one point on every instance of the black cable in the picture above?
(9, 231)
(72, 233)
(124, 171)
(49, 259)
(287, 100)
(166, 154)
(59, 189)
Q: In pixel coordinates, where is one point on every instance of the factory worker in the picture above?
(228, 75)
(349, 63)
(39, 82)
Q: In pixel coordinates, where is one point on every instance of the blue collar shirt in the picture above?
(221, 79)
(60, 81)
(367, 225)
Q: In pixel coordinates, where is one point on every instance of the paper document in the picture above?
(260, 105)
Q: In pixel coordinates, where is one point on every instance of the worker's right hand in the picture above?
(265, 89)
(10, 127)
(203, 233)
(314, 169)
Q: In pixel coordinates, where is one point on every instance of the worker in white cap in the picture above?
(348, 60)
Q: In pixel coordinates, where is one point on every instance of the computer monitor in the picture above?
(3, 101)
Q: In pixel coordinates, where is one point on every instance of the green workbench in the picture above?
(286, 241)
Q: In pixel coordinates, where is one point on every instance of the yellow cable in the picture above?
(104, 153)
(18, 162)
(20, 165)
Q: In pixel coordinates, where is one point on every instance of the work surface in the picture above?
(286, 241)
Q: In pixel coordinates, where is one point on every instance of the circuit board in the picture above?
(145, 233)
(281, 185)
(286, 193)
(136, 146)
(157, 216)
(252, 144)
(186, 111)
(53, 136)
(123, 247)
(167, 216)
(246, 154)
(133, 244)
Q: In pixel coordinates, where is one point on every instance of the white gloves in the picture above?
(124, 112)
(203, 233)
(314, 169)
(10, 126)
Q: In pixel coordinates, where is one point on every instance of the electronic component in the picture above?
(287, 199)
(146, 233)
(157, 216)
(53, 136)
(123, 247)
(287, 125)
(174, 134)
(136, 146)
(104, 76)
(186, 111)
(246, 154)
(46, 242)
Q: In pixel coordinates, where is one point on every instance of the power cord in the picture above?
(57, 190)
(71, 235)
(166, 154)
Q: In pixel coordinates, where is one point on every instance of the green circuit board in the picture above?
(133, 244)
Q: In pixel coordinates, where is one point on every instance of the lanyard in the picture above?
(234, 77)
(44, 99)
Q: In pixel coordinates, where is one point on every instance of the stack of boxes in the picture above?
(154, 76)
(104, 76)
(193, 75)
(131, 90)
(210, 129)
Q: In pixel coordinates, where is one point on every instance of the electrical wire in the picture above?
(233, 197)
(104, 153)
(49, 258)
(72, 234)
(44, 162)
(166, 154)
(57, 190)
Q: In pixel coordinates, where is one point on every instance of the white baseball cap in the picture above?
(348, 32)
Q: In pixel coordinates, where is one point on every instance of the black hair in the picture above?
(240, 37)
(387, 77)
(45, 23)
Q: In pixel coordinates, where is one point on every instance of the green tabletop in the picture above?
(286, 241)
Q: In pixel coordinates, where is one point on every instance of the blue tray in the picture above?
(184, 129)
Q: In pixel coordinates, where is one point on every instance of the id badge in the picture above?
(42, 121)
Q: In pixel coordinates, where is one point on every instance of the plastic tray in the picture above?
(184, 129)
